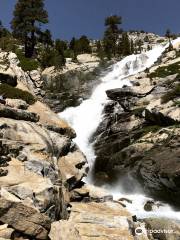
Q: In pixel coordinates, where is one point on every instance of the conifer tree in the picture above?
(28, 15)
(100, 50)
(46, 38)
(126, 45)
(72, 44)
(132, 46)
(3, 31)
(82, 45)
(111, 35)
(60, 47)
(169, 35)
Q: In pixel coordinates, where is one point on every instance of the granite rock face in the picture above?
(34, 191)
(139, 136)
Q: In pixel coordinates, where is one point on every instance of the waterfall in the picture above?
(86, 117)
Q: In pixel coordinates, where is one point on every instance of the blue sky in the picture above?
(70, 18)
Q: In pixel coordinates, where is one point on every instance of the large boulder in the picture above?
(25, 219)
(105, 221)
(119, 93)
(8, 112)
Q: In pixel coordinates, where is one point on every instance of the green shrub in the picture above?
(171, 94)
(68, 53)
(16, 93)
(177, 103)
(27, 64)
(9, 44)
(160, 40)
(51, 57)
(163, 72)
(138, 111)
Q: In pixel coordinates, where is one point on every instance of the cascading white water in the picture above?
(86, 117)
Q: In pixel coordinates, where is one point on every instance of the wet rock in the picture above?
(148, 207)
(125, 200)
(119, 93)
(151, 205)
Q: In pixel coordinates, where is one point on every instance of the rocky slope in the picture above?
(139, 135)
(69, 86)
(34, 183)
(42, 194)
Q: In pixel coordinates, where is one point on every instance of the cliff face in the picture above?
(73, 83)
(34, 183)
(42, 194)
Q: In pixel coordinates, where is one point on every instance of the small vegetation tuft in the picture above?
(138, 111)
(163, 72)
(27, 64)
(174, 93)
(16, 93)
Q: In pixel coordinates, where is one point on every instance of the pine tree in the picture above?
(72, 44)
(25, 24)
(3, 31)
(111, 35)
(1, 28)
(46, 38)
(82, 45)
(125, 44)
(132, 46)
(100, 50)
(60, 47)
(169, 35)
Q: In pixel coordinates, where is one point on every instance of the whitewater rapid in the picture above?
(86, 117)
